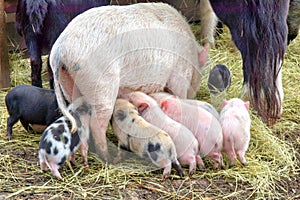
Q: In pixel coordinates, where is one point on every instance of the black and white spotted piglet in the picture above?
(58, 143)
(146, 140)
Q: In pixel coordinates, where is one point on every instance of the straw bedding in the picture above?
(273, 154)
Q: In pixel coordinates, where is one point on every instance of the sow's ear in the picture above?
(203, 55)
(247, 105)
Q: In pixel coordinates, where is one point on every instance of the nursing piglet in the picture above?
(137, 135)
(185, 142)
(31, 105)
(58, 144)
(201, 123)
(235, 121)
(193, 102)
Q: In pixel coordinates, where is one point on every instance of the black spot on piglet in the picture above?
(48, 147)
(57, 133)
(63, 160)
(152, 149)
(55, 151)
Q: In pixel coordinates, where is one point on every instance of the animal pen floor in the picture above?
(273, 154)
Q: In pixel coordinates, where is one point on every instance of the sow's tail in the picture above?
(56, 65)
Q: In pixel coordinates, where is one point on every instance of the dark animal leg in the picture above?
(50, 74)
(36, 70)
(32, 42)
(25, 125)
(10, 123)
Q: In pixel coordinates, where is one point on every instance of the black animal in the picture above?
(259, 30)
(31, 105)
(293, 19)
(41, 21)
(219, 79)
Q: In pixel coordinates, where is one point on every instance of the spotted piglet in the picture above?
(185, 142)
(137, 135)
(58, 144)
(235, 122)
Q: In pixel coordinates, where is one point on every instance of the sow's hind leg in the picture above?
(100, 92)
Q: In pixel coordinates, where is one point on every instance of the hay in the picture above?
(272, 154)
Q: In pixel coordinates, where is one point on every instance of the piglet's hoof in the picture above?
(232, 166)
(86, 165)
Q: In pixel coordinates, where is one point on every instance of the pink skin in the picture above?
(235, 122)
(185, 143)
(52, 166)
(84, 152)
(136, 133)
(193, 102)
(202, 124)
(51, 160)
(97, 68)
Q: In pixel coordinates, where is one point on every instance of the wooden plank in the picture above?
(4, 66)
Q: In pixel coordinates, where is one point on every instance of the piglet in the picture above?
(137, 135)
(193, 102)
(58, 144)
(204, 105)
(31, 105)
(201, 123)
(235, 122)
(185, 142)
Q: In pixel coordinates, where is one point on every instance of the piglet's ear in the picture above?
(224, 103)
(164, 105)
(142, 107)
(247, 105)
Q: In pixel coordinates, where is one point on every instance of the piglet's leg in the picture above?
(167, 171)
(217, 159)
(72, 158)
(84, 152)
(192, 165)
(43, 165)
(241, 157)
(121, 154)
(54, 168)
(200, 162)
(178, 168)
(232, 158)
